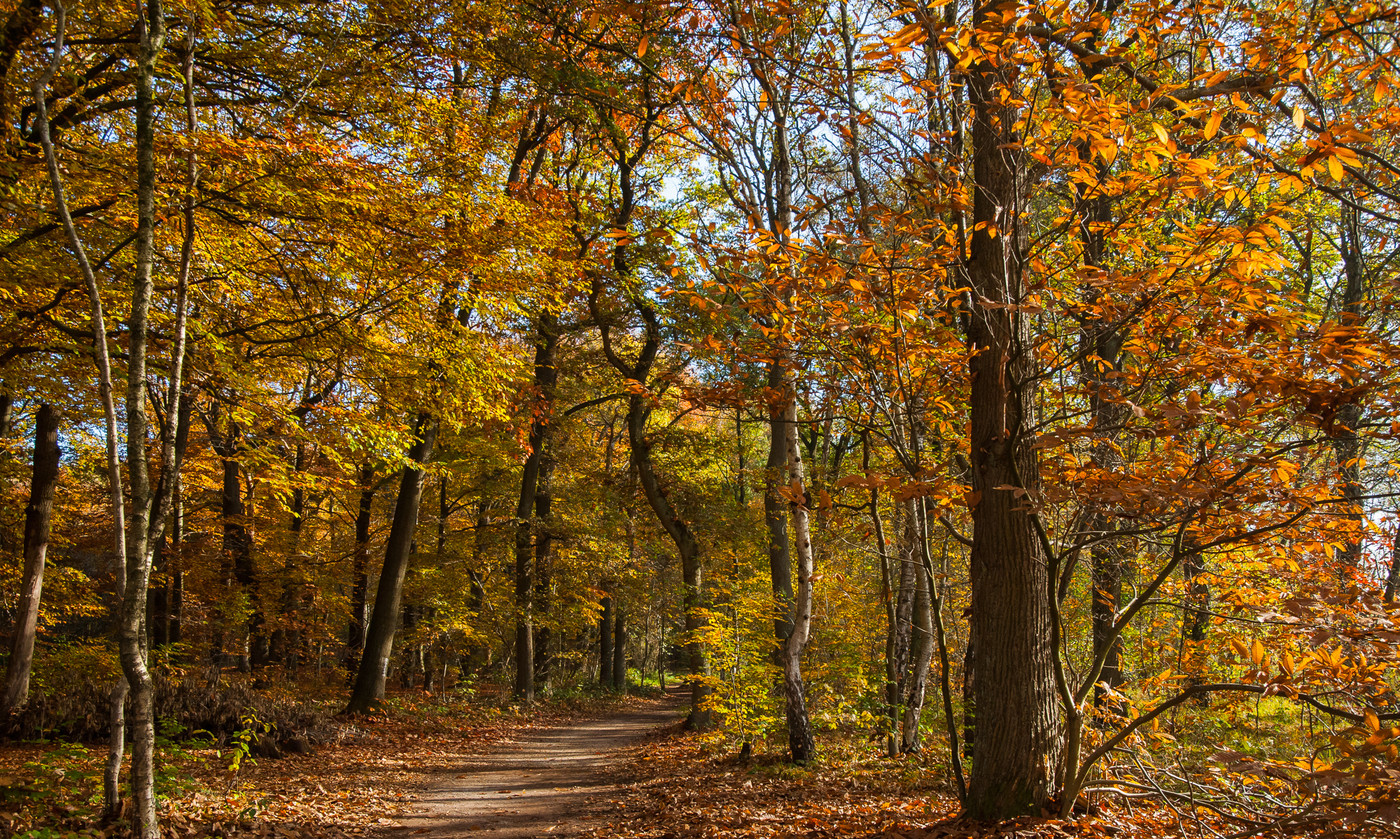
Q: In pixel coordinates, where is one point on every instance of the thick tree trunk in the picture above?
(37, 518)
(1018, 743)
(379, 639)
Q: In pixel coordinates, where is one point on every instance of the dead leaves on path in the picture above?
(348, 789)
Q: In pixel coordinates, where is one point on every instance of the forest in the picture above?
(995, 399)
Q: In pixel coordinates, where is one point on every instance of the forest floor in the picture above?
(594, 769)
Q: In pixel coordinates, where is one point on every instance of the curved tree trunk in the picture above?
(379, 639)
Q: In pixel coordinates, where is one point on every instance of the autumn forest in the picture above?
(994, 399)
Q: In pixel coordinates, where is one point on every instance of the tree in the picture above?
(37, 519)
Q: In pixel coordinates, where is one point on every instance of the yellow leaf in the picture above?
(1334, 168)
(1161, 134)
(1213, 124)
(1298, 117)
(1256, 652)
(1372, 721)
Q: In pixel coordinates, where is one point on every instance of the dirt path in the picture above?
(539, 786)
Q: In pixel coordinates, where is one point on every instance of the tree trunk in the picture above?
(1346, 436)
(544, 566)
(619, 668)
(379, 639)
(477, 653)
(921, 641)
(240, 575)
(359, 586)
(801, 744)
(285, 639)
(546, 375)
(900, 644)
(37, 518)
(605, 644)
(1196, 617)
(697, 664)
(1018, 742)
(1392, 579)
(1106, 577)
(887, 595)
(148, 508)
(969, 696)
(176, 633)
(134, 538)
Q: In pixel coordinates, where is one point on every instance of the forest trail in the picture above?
(540, 785)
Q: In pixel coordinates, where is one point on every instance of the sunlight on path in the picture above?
(541, 785)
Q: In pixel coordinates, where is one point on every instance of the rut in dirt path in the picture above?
(548, 783)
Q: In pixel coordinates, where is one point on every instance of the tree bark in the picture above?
(1196, 617)
(801, 744)
(1345, 432)
(134, 539)
(619, 668)
(379, 639)
(37, 519)
(1018, 742)
(605, 644)
(176, 632)
(359, 585)
(1392, 579)
(546, 375)
(921, 635)
(544, 566)
(239, 574)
